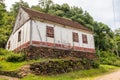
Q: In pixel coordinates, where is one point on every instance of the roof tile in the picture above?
(56, 19)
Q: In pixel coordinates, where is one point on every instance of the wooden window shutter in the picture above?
(84, 37)
(50, 32)
(75, 37)
(9, 44)
(19, 36)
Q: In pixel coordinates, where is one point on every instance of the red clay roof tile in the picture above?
(56, 19)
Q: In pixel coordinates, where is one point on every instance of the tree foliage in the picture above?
(5, 24)
(117, 41)
(2, 13)
(17, 5)
(7, 21)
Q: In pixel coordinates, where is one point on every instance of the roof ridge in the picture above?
(48, 14)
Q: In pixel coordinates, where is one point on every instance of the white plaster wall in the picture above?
(62, 35)
(22, 17)
(25, 36)
(57, 34)
(66, 34)
(38, 31)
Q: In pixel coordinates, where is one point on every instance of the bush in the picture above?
(15, 57)
(117, 63)
(0, 67)
(109, 58)
(95, 64)
(3, 51)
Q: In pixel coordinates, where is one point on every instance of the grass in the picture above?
(10, 66)
(76, 75)
(2, 79)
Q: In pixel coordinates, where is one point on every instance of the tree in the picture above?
(6, 23)
(45, 4)
(102, 36)
(17, 5)
(37, 7)
(2, 12)
(117, 42)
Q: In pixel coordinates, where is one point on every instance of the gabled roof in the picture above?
(39, 15)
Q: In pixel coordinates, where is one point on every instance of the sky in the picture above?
(100, 10)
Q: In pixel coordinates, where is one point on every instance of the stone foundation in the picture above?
(33, 52)
(60, 66)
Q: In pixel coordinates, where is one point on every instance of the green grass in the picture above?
(76, 75)
(2, 79)
(10, 66)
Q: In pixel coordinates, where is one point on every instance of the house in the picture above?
(33, 28)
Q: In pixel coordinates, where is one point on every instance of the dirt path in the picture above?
(8, 78)
(112, 76)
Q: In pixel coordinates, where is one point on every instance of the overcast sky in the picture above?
(100, 10)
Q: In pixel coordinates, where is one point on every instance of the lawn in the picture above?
(76, 75)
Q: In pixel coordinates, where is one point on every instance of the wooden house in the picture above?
(33, 28)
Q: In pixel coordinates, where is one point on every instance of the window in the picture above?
(75, 37)
(19, 36)
(9, 45)
(50, 32)
(84, 37)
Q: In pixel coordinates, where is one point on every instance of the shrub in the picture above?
(117, 63)
(15, 57)
(0, 67)
(95, 64)
(109, 58)
(3, 51)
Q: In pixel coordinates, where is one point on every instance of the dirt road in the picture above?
(112, 76)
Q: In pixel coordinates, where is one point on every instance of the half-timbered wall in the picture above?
(63, 36)
(20, 37)
(29, 31)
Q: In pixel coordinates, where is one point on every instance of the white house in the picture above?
(33, 28)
